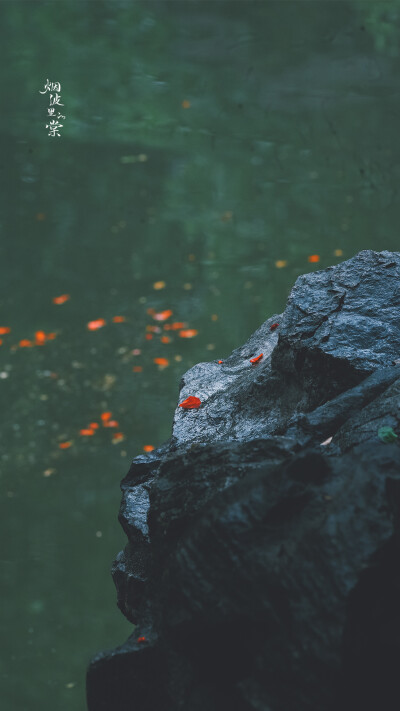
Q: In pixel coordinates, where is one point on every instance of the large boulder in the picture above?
(262, 569)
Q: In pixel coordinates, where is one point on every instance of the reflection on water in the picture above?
(211, 153)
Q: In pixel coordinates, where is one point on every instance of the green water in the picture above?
(203, 143)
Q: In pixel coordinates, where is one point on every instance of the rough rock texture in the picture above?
(263, 558)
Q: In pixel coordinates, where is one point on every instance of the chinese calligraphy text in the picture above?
(54, 124)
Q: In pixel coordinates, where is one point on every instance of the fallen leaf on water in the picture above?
(165, 339)
(162, 362)
(174, 326)
(214, 317)
(314, 258)
(117, 437)
(94, 325)
(148, 448)
(338, 252)
(280, 263)
(48, 472)
(137, 368)
(25, 343)
(4, 330)
(65, 445)
(111, 423)
(185, 105)
(153, 329)
(159, 285)
(162, 315)
(256, 359)
(118, 319)
(61, 299)
(188, 333)
(40, 338)
(226, 216)
(191, 403)
(148, 336)
(108, 381)
(86, 432)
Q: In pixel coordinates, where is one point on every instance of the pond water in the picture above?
(210, 153)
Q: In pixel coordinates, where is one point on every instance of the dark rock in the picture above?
(262, 565)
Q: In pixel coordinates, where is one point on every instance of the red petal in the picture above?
(255, 360)
(191, 403)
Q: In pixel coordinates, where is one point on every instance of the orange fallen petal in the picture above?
(86, 433)
(163, 362)
(162, 315)
(137, 368)
(227, 216)
(61, 299)
(255, 360)
(153, 329)
(141, 639)
(191, 403)
(151, 312)
(165, 339)
(159, 285)
(4, 329)
(185, 104)
(105, 416)
(148, 336)
(314, 258)
(94, 426)
(1, 341)
(111, 423)
(274, 326)
(117, 437)
(118, 319)
(174, 326)
(50, 336)
(94, 325)
(25, 343)
(220, 361)
(189, 333)
(148, 448)
(40, 338)
(65, 445)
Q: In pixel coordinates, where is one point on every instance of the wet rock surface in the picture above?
(262, 567)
